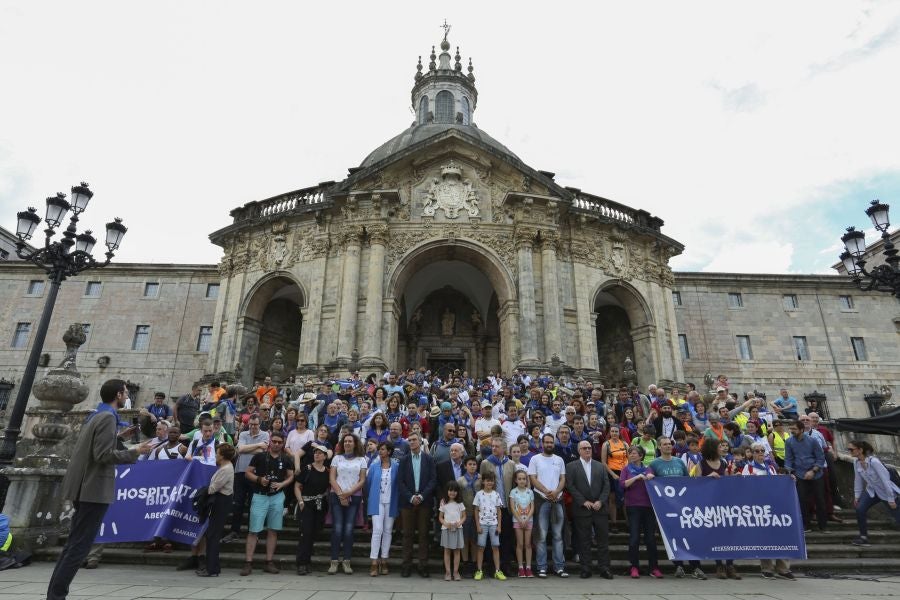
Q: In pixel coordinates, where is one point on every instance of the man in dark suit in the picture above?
(416, 482)
(588, 483)
(90, 482)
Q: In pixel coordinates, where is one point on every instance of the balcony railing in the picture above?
(607, 209)
(283, 204)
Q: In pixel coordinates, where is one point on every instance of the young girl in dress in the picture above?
(521, 503)
(452, 516)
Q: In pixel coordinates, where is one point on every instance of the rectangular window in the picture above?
(212, 290)
(790, 302)
(141, 337)
(151, 290)
(204, 339)
(20, 337)
(35, 287)
(801, 350)
(87, 332)
(745, 350)
(5, 392)
(682, 343)
(735, 300)
(676, 298)
(92, 289)
(846, 302)
(859, 348)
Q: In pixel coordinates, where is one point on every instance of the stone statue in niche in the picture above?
(476, 320)
(451, 193)
(448, 322)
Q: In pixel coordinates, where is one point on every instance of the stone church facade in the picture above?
(444, 249)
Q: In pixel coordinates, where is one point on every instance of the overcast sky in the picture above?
(756, 130)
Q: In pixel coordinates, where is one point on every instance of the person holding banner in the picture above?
(641, 520)
(778, 567)
(90, 481)
(666, 465)
(715, 464)
(220, 490)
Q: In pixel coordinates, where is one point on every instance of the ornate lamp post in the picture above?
(61, 259)
(883, 278)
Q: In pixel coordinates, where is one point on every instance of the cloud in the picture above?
(742, 256)
(884, 38)
(746, 98)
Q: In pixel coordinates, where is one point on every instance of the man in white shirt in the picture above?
(512, 426)
(547, 472)
(483, 427)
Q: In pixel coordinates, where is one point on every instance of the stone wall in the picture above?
(711, 326)
(170, 363)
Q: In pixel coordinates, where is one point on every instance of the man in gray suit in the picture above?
(588, 483)
(90, 482)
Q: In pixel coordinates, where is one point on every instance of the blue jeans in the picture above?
(865, 503)
(342, 519)
(549, 515)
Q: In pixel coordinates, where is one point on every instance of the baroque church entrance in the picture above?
(622, 332)
(449, 311)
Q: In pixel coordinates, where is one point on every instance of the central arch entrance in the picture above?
(624, 329)
(453, 303)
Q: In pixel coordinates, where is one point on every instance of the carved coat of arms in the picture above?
(451, 193)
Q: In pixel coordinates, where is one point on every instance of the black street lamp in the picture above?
(62, 258)
(883, 278)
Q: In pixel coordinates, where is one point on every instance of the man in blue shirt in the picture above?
(803, 457)
(786, 405)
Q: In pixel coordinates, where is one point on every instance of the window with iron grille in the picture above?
(801, 349)
(204, 339)
(20, 337)
(141, 337)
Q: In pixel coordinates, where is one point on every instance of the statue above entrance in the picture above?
(448, 322)
(451, 193)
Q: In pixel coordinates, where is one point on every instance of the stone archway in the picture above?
(454, 304)
(271, 320)
(624, 328)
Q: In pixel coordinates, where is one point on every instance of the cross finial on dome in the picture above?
(446, 29)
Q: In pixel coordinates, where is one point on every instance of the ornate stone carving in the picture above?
(350, 235)
(502, 245)
(524, 235)
(403, 240)
(584, 252)
(451, 194)
(261, 251)
(378, 234)
(550, 238)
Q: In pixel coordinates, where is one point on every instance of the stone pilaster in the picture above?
(587, 319)
(372, 350)
(552, 323)
(350, 239)
(524, 238)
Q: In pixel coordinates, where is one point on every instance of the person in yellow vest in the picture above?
(777, 439)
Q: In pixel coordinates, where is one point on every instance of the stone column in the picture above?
(372, 350)
(317, 268)
(524, 238)
(587, 318)
(350, 238)
(552, 323)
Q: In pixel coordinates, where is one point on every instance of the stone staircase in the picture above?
(829, 553)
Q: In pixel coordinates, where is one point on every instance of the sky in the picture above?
(757, 130)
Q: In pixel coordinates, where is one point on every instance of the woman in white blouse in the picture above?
(871, 485)
(348, 474)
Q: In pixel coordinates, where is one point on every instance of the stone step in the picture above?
(885, 563)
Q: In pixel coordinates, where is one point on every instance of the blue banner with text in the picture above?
(154, 499)
(729, 517)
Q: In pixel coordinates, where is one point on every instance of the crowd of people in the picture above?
(532, 467)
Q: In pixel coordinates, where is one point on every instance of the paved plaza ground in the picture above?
(129, 582)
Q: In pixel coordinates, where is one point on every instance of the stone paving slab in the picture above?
(123, 582)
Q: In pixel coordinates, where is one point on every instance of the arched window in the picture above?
(443, 107)
(465, 110)
(423, 110)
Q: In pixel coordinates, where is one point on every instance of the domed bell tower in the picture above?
(443, 94)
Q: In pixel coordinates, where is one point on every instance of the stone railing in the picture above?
(607, 209)
(281, 205)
